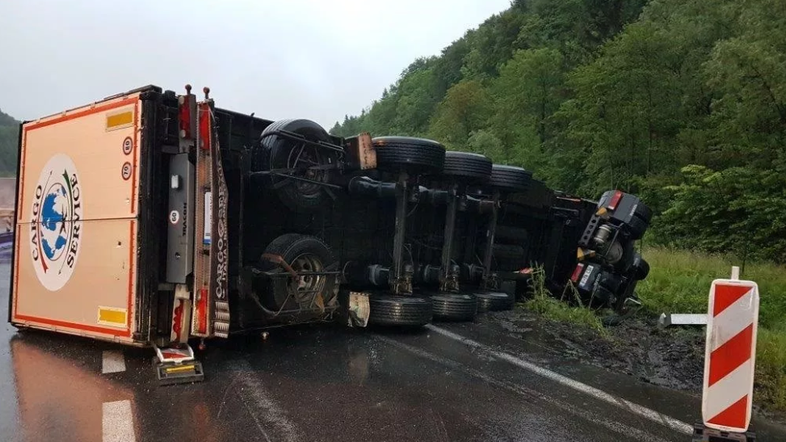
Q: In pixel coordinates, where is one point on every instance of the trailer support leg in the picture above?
(176, 365)
(489, 279)
(448, 277)
(401, 278)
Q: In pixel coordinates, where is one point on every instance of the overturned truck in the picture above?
(152, 218)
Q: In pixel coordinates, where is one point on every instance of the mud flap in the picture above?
(178, 366)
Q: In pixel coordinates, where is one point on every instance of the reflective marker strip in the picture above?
(178, 369)
(119, 120)
(730, 355)
(208, 220)
(112, 316)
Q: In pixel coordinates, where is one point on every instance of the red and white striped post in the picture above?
(730, 354)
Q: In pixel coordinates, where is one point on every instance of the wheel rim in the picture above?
(301, 159)
(304, 286)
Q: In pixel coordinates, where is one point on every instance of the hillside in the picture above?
(9, 130)
(680, 101)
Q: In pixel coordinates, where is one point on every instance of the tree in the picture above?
(465, 109)
(9, 139)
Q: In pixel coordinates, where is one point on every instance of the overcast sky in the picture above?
(317, 59)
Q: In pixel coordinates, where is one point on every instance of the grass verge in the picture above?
(679, 282)
(545, 304)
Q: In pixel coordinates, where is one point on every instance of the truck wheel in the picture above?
(509, 178)
(644, 212)
(454, 306)
(467, 167)
(602, 297)
(610, 281)
(304, 254)
(494, 301)
(391, 310)
(637, 227)
(416, 156)
(641, 267)
(280, 153)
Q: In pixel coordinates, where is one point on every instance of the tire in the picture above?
(609, 281)
(280, 153)
(471, 168)
(509, 178)
(494, 301)
(416, 156)
(644, 212)
(393, 310)
(454, 306)
(602, 297)
(636, 227)
(641, 268)
(300, 252)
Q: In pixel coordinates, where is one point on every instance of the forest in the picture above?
(682, 102)
(9, 129)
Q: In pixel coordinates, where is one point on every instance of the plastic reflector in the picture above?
(118, 120)
(615, 200)
(577, 272)
(202, 312)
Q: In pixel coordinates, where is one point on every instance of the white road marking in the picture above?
(674, 424)
(118, 422)
(529, 393)
(264, 410)
(113, 362)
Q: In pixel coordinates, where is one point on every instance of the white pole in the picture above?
(735, 273)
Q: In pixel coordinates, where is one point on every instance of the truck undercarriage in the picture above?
(240, 223)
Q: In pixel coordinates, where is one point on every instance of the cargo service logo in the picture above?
(56, 225)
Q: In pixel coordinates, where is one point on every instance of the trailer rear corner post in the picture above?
(176, 363)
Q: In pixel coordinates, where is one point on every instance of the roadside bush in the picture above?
(739, 210)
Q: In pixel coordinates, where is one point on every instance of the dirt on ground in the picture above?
(671, 357)
(636, 346)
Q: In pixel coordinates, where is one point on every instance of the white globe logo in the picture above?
(56, 224)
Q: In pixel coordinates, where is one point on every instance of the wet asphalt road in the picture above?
(324, 383)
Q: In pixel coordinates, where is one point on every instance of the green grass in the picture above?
(679, 282)
(543, 303)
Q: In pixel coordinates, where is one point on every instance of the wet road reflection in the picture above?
(303, 384)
